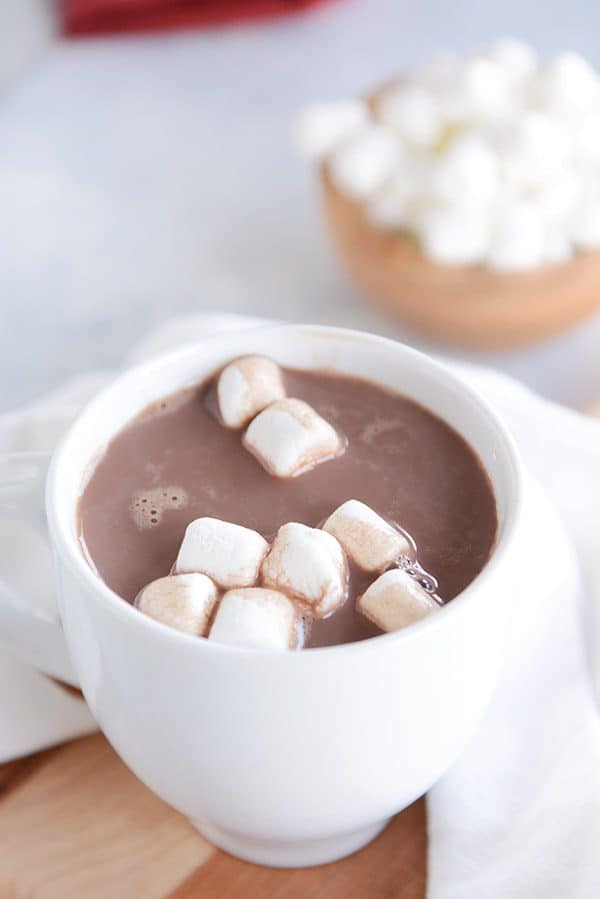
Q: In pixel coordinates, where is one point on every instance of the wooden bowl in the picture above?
(471, 306)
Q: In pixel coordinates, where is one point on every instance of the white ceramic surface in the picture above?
(297, 758)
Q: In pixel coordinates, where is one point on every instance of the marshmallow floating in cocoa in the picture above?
(367, 538)
(309, 566)
(245, 387)
(255, 618)
(228, 553)
(289, 437)
(395, 600)
(181, 601)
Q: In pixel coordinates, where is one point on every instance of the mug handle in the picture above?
(28, 633)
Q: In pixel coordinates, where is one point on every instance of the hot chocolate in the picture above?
(178, 462)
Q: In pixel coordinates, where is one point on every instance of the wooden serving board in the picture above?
(76, 824)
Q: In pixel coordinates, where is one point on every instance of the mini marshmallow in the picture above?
(309, 566)
(481, 90)
(518, 238)
(586, 138)
(289, 437)
(322, 127)
(245, 387)
(557, 249)
(455, 235)
(400, 199)
(537, 153)
(412, 112)
(255, 618)
(395, 600)
(558, 200)
(181, 601)
(568, 83)
(390, 209)
(585, 226)
(362, 164)
(467, 171)
(516, 58)
(228, 553)
(367, 538)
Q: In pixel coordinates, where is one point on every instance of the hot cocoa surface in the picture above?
(176, 462)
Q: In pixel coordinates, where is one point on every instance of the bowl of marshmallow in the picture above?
(464, 198)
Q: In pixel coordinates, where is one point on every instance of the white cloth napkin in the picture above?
(35, 712)
(518, 815)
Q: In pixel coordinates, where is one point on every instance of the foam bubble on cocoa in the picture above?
(147, 506)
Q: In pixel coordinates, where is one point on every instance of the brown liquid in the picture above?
(401, 460)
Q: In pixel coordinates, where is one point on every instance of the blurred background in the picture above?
(146, 169)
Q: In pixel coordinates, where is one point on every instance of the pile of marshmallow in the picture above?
(491, 159)
(231, 585)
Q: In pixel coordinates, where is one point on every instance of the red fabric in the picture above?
(116, 16)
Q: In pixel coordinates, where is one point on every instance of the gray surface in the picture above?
(147, 177)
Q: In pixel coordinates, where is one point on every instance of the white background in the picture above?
(146, 177)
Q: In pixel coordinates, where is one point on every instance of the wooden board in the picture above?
(74, 822)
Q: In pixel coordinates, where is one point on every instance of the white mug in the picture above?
(285, 759)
